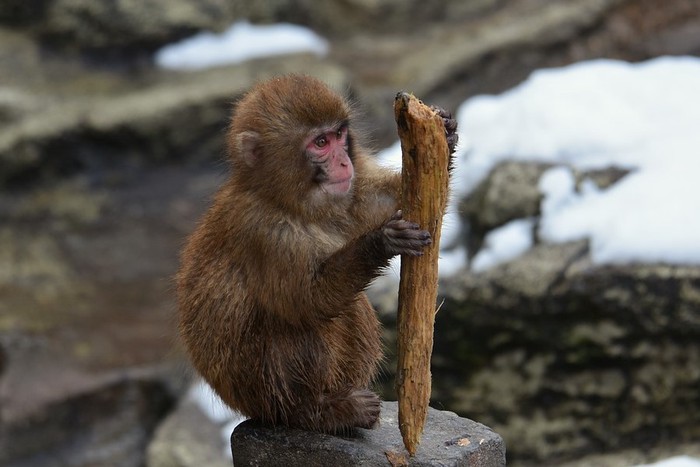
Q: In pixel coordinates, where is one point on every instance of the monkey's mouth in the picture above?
(339, 187)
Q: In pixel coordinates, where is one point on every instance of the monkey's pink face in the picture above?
(328, 151)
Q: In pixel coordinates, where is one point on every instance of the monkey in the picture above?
(270, 290)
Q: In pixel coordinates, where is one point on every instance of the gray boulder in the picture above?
(188, 438)
(565, 358)
(562, 356)
(62, 417)
(510, 192)
(183, 119)
(115, 27)
(448, 440)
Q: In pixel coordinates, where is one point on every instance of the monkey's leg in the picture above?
(357, 408)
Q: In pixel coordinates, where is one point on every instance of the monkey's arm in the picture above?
(299, 287)
(349, 270)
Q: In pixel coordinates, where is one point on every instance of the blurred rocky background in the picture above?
(106, 161)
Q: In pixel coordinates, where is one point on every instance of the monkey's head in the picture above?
(290, 141)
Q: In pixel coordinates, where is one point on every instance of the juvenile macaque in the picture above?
(271, 287)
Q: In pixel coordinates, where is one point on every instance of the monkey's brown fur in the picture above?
(270, 291)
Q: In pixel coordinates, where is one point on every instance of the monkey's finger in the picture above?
(407, 233)
(401, 224)
(441, 112)
(409, 250)
(402, 245)
(452, 141)
(415, 253)
(447, 120)
(406, 251)
(450, 124)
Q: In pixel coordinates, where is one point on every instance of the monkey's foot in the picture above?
(367, 406)
(358, 408)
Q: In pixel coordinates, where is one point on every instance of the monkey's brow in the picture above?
(334, 126)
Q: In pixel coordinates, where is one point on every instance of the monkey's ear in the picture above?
(248, 146)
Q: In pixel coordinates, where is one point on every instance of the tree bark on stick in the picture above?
(425, 183)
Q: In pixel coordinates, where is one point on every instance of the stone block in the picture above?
(448, 440)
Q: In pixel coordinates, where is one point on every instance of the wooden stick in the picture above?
(424, 198)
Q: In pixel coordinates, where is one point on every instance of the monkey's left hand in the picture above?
(401, 237)
(450, 127)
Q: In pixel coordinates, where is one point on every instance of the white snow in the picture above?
(596, 114)
(503, 244)
(209, 402)
(391, 156)
(214, 408)
(644, 117)
(677, 461)
(242, 41)
(557, 186)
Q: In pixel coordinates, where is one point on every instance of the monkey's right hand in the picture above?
(401, 237)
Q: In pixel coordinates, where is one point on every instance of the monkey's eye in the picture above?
(342, 132)
(321, 141)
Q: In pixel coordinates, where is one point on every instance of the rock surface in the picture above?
(68, 418)
(511, 192)
(188, 438)
(88, 365)
(168, 122)
(561, 356)
(565, 357)
(101, 176)
(114, 28)
(448, 440)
